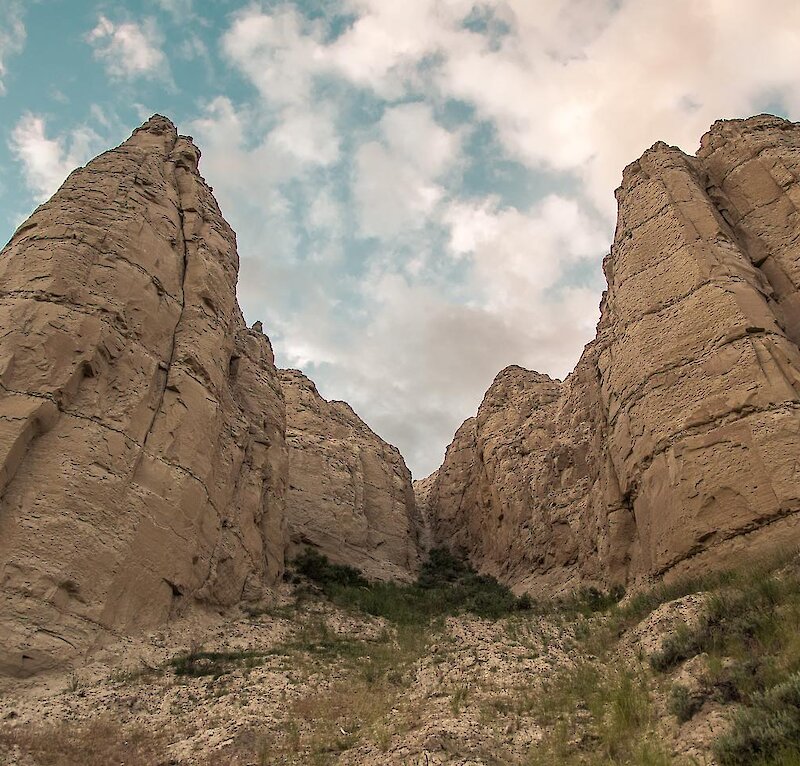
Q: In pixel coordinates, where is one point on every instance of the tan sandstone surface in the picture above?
(349, 492)
(675, 443)
(143, 463)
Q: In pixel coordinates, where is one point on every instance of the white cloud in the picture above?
(194, 49)
(12, 37)
(642, 71)
(254, 171)
(46, 162)
(128, 49)
(309, 135)
(519, 257)
(396, 179)
(581, 86)
(179, 9)
(418, 361)
(458, 283)
(279, 52)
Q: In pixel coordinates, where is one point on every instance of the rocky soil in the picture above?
(311, 683)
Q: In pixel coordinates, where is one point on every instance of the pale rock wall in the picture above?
(142, 456)
(674, 446)
(349, 492)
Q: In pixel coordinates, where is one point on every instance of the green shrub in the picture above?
(447, 585)
(682, 703)
(618, 701)
(317, 568)
(212, 663)
(443, 568)
(590, 600)
(677, 647)
(525, 603)
(765, 732)
(752, 618)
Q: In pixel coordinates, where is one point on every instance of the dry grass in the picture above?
(361, 683)
(96, 743)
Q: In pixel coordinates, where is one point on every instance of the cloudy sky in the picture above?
(422, 190)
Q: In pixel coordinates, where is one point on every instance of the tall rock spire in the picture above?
(142, 456)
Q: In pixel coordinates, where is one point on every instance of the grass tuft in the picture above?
(682, 703)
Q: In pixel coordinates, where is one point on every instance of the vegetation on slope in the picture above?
(456, 666)
(748, 633)
(749, 636)
(446, 586)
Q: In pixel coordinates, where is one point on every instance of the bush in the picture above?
(765, 732)
(447, 585)
(317, 568)
(682, 703)
(212, 663)
(679, 646)
(443, 568)
(754, 619)
(590, 600)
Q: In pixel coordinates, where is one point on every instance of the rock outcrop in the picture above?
(675, 444)
(349, 492)
(142, 456)
(153, 458)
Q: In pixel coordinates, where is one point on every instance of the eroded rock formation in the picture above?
(143, 461)
(152, 457)
(349, 493)
(675, 443)
(142, 443)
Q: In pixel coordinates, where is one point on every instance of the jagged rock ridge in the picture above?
(143, 459)
(674, 446)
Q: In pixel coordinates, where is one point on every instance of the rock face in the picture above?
(142, 445)
(153, 458)
(143, 455)
(349, 492)
(674, 446)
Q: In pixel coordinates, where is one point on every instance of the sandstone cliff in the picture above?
(675, 443)
(349, 493)
(142, 453)
(143, 461)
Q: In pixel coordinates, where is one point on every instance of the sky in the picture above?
(423, 191)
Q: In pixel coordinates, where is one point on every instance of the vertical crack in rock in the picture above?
(184, 256)
(128, 491)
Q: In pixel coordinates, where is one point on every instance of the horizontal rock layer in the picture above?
(674, 445)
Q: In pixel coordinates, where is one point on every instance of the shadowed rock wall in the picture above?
(350, 493)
